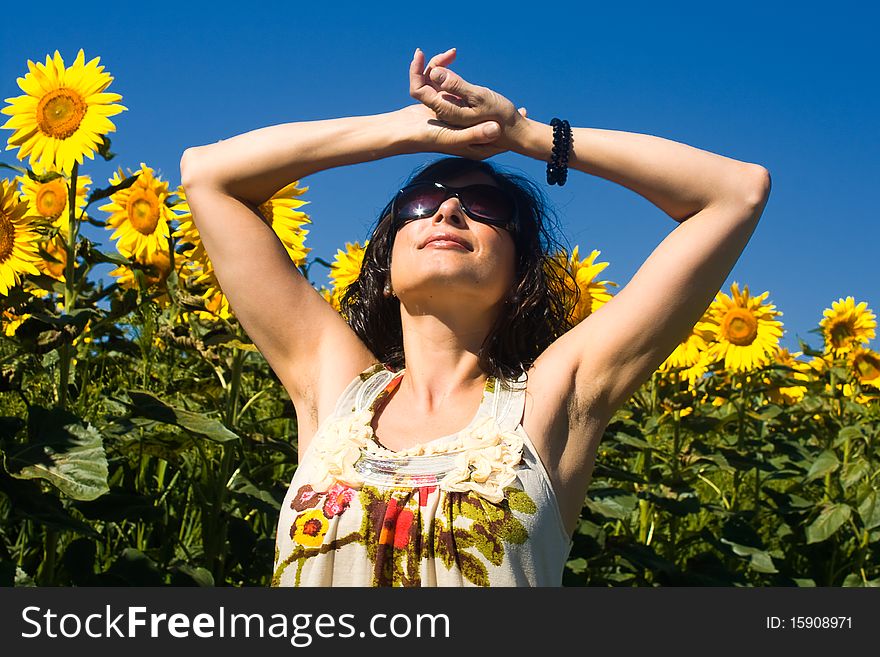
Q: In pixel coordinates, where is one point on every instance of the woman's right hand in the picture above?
(476, 141)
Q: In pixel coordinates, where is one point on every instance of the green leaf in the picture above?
(626, 439)
(136, 569)
(188, 576)
(826, 462)
(829, 521)
(770, 412)
(146, 405)
(869, 510)
(678, 500)
(804, 582)
(64, 451)
(644, 556)
(853, 473)
(105, 192)
(851, 433)
(94, 256)
(29, 500)
(242, 486)
(22, 170)
(855, 579)
(611, 502)
(760, 560)
(104, 149)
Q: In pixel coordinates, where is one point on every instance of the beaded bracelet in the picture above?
(557, 167)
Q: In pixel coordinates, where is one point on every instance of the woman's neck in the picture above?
(442, 357)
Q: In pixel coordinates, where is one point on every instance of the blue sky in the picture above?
(792, 89)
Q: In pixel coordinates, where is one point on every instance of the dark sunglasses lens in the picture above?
(488, 202)
(419, 201)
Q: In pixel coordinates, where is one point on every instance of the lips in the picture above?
(447, 237)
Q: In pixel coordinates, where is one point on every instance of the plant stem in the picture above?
(69, 285)
(740, 441)
(47, 568)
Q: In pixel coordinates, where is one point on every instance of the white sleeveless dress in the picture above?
(475, 508)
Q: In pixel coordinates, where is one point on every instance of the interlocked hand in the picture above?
(476, 121)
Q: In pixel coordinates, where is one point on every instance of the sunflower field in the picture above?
(145, 441)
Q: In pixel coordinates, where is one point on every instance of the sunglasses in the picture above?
(484, 203)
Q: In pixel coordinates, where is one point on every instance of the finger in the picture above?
(416, 77)
(443, 59)
(522, 110)
(453, 83)
(482, 133)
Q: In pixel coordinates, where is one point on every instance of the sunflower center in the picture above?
(841, 332)
(740, 327)
(52, 199)
(868, 367)
(143, 213)
(7, 237)
(60, 112)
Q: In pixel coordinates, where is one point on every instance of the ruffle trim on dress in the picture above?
(484, 460)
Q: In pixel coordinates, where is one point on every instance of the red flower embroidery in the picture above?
(338, 499)
(396, 525)
(401, 532)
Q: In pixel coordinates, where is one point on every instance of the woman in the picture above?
(447, 432)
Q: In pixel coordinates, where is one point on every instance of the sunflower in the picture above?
(48, 200)
(139, 215)
(692, 354)
(344, 270)
(278, 212)
(53, 257)
(819, 365)
(846, 325)
(787, 395)
(18, 240)
(63, 115)
(743, 329)
(330, 297)
(197, 269)
(865, 364)
(47, 205)
(155, 270)
(582, 294)
(346, 266)
(11, 321)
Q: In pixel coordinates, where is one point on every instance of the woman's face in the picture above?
(475, 265)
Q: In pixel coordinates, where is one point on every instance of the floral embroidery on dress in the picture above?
(466, 527)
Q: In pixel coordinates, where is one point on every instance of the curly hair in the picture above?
(532, 317)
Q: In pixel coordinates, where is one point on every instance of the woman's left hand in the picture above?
(460, 103)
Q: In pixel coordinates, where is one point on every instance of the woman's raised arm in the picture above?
(307, 344)
(596, 366)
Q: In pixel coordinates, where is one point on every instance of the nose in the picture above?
(450, 210)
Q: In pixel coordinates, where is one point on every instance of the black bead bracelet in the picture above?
(557, 167)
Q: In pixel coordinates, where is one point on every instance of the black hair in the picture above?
(534, 315)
